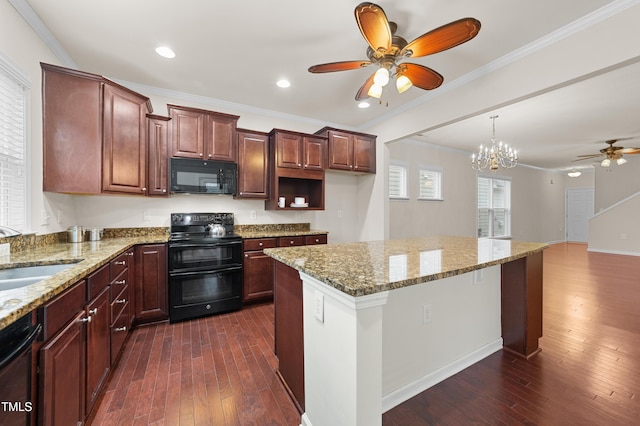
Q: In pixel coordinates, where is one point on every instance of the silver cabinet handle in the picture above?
(246, 255)
(120, 328)
(120, 262)
(120, 282)
(87, 319)
(260, 244)
(93, 311)
(164, 190)
(291, 242)
(121, 301)
(201, 155)
(143, 189)
(317, 240)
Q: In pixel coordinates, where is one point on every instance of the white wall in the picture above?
(537, 197)
(616, 183)
(615, 230)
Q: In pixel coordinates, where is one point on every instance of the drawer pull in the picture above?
(120, 262)
(93, 311)
(123, 328)
(260, 244)
(87, 319)
(120, 282)
(317, 240)
(291, 242)
(120, 301)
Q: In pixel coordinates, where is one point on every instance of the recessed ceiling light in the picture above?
(363, 105)
(165, 52)
(283, 83)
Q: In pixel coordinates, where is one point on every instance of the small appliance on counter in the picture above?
(75, 234)
(94, 234)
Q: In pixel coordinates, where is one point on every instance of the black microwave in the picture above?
(203, 176)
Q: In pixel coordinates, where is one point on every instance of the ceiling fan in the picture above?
(388, 50)
(610, 153)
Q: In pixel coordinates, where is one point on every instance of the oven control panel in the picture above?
(185, 219)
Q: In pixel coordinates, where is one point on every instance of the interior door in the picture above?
(579, 210)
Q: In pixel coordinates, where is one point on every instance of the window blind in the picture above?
(430, 184)
(13, 107)
(397, 181)
(494, 207)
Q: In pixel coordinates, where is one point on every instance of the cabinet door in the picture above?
(258, 276)
(187, 134)
(340, 151)
(124, 161)
(314, 153)
(151, 282)
(253, 154)
(98, 345)
(72, 131)
(158, 151)
(220, 141)
(288, 150)
(364, 154)
(62, 376)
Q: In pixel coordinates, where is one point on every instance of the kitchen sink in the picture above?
(22, 277)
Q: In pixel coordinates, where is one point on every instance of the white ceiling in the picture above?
(234, 51)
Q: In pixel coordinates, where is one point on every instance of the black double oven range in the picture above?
(205, 265)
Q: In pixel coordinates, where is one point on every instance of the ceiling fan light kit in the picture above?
(387, 50)
(610, 153)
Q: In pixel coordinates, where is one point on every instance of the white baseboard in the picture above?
(624, 253)
(421, 384)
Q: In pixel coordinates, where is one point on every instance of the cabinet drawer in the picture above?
(97, 282)
(290, 241)
(118, 303)
(119, 283)
(57, 312)
(119, 332)
(118, 265)
(315, 239)
(259, 243)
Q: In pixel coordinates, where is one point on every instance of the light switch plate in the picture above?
(5, 249)
(319, 308)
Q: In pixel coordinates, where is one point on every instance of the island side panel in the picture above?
(522, 304)
(289, 333)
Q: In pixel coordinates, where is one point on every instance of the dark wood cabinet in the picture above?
(98, 345)
(151, 299)
(257, 270)
(158, 155)
(253, 164)
(94, 134)
(62, 375)
(199, 133)
(124, 157)
(296, 169)
(351, 151)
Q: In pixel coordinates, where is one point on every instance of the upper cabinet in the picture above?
(350, 151)
(299, 151)
(158, 153)
(94, 134)
(199, 133)
(253, 164)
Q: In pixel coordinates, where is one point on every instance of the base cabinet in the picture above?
(257, 270)
(151, 299)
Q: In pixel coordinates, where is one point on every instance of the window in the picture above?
(430, 183)
(494, 207)
(397, 181)
(14, 91)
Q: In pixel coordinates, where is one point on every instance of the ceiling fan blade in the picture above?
(338, 66)
(586, 158)
(374, 26)
(629, 151)
(590, 155)
(364, 89)
(443, 38)
(420, 76)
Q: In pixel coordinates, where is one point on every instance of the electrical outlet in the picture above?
(339, 214)
(45, 217)
(319, 307)
(253, 214)
(5, 249)
(59, 216)
(478, 276)
(145, 215)
(426, 314)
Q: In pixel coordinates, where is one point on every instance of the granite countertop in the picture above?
(274, 230)
(86, 257)
(362, 268)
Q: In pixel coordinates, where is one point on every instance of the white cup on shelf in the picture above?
(281, 202)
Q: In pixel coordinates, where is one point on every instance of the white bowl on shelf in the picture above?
(299, 201)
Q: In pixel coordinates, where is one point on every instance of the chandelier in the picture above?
(499, 154)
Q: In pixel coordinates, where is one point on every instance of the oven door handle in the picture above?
(22, 346)
(204, 245)
(206, 272)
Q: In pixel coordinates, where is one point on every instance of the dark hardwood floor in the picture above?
(220, 370)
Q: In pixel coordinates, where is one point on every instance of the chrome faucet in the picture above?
(8, 232)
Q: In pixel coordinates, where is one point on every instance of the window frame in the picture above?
(491, 209)
(14, 72)
(405, 167)
(439, 171)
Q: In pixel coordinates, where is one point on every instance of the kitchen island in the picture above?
(382, 321)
